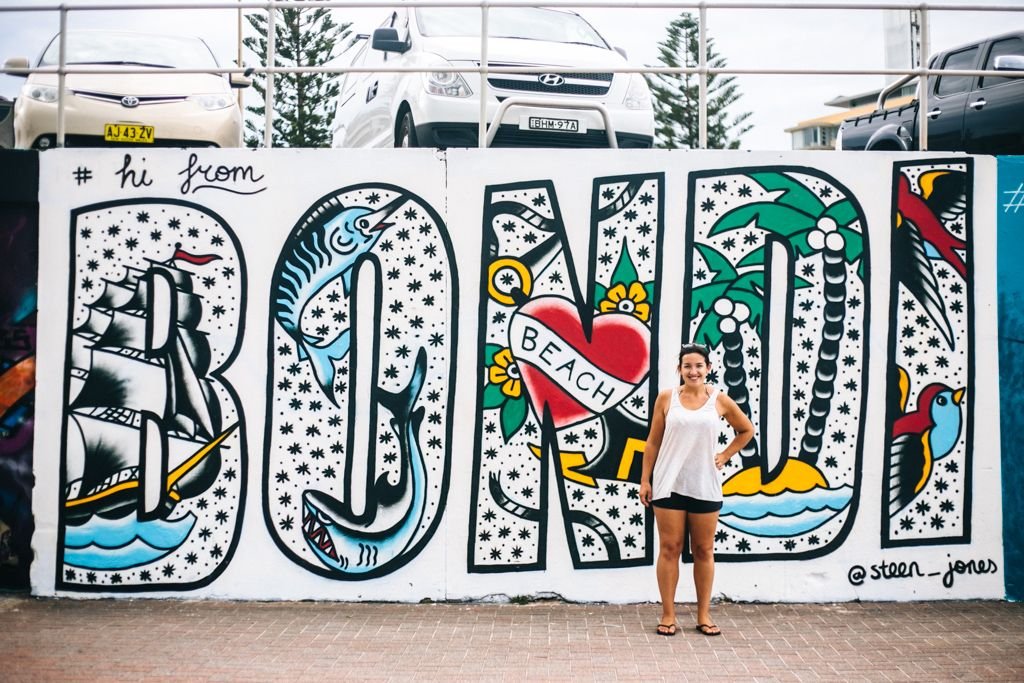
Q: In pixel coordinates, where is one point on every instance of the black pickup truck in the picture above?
(977, 114)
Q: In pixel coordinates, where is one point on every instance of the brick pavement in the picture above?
(85, 640)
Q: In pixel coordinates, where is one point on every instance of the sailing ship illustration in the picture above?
(144, 425)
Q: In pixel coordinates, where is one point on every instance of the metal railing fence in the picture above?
(702, 70)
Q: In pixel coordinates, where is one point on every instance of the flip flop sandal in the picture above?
(709, 630)
(670, 630)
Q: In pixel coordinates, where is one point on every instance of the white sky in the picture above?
(845, 39)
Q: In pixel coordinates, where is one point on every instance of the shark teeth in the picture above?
(318, 535)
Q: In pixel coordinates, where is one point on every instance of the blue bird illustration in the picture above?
(326, 246)
(928, 433)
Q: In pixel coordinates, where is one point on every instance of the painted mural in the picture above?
(410, 447)
(1010, 220)
(779, 293)
(928, 464)
(19, 238)
(565, 375)
(154, 460)
(361, 298)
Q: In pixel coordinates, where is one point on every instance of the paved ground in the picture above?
(86, 640)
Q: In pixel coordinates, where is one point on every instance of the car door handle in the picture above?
(371, 92)
(978, 104)
(934, 113)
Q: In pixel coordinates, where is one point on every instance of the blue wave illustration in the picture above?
(132, 555)
(788, 503)
(123, 543)
(786, 514)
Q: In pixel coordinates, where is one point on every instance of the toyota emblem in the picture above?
(130, 101)
(551, 80)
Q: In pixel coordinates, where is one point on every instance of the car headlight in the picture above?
(638, 95)
(40, 93)
(446, 83)
(214, 102)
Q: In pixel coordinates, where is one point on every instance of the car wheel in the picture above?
(406, 136)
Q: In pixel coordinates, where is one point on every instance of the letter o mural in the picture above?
(363, 305)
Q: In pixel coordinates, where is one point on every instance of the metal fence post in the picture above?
(268, 99)
(702, 78)
(61, 76)
(922, 85)
(482, 128)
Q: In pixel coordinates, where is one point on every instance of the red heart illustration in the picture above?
(573, 377)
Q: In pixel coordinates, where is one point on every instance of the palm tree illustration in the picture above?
(729, 300)
(810, 227)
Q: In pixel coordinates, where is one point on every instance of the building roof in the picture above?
(837, 118)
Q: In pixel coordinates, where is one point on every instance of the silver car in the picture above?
(151, 108)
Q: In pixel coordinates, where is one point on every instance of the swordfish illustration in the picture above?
(346, 543)
(324, 249)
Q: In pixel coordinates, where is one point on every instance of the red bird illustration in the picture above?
(921, 236)
(920, 437)
(923, 210)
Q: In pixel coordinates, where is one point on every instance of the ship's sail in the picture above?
(140, 404)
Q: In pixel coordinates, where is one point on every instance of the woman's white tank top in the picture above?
(686, 459)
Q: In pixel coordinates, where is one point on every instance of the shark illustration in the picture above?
(346, 542)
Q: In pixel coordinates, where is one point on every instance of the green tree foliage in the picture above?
(677, 96)
(303, 103)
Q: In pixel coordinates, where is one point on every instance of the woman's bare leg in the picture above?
(671, 528)
(702, 544)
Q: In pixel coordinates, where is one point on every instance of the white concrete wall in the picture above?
(475, 258)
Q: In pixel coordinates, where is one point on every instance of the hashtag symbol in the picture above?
(82, 175)
(1016, 200)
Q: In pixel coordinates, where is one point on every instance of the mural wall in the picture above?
(413, 374)
(1010, 207)
(19, 239)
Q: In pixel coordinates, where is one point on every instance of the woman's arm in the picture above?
(653, 444)
(740, 423)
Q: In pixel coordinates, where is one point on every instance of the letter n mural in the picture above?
(926, 487)
(778, 289)
(565, 377)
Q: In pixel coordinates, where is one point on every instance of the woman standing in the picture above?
(680, 479)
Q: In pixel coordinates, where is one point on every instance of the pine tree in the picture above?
(304, 103)
(677, 96)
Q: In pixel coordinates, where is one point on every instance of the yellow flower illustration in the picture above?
(634, 302)
(506, 373)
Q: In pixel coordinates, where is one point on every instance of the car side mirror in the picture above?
(1009, 63)
(622, 52)
(239, 80)
(16, 63)
(386, 39)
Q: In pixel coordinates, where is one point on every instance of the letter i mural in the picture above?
(565, 377)
(154, 461)
(779, 292)
(926, 496)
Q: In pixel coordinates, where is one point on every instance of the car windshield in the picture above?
(528, 23)
(131, 48)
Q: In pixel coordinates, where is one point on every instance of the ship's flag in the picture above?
(195, 259)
